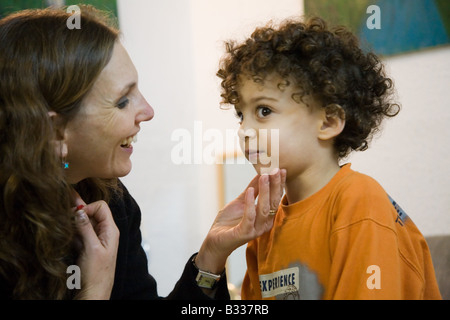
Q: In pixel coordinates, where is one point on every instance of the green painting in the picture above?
(339, 12)
(10, 6)
(402, 26)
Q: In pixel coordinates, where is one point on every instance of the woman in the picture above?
(70, 108)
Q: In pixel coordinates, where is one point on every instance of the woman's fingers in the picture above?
(241, 220)
(271, 188)
(264, 194)
(263, 205)
(247, 224)
(103, 222)
(85, 228)
(77, 201)
(97, 259)
(275, 189)
(96, 225)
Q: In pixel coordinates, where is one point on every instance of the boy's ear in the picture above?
(332, 122)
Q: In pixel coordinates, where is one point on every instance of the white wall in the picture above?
(158, 37)
(176, 46)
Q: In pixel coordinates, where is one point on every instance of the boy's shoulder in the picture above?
(354, 184)
(359, 197)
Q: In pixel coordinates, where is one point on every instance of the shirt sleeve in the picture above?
(187, 288)
(372, 254)
(366, 264)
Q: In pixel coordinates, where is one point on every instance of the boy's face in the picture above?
(276, 131)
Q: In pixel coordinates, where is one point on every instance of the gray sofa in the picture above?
(440, 253)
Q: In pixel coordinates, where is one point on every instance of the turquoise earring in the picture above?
(64, 162)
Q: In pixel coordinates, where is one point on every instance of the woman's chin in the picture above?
(119, 171)
(124, 171)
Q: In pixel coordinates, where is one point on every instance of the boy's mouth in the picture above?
(250, 153)
(253, 155)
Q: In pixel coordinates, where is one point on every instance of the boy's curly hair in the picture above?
(327, 64)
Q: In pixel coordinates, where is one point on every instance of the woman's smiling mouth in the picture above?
(126, 143)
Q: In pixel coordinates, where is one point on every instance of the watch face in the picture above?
(206, 280)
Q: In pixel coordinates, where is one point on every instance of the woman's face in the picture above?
(99, 138)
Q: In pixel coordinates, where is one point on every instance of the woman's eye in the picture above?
(263, 112)
(123, 102)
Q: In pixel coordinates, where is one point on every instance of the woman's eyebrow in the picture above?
(126, 89)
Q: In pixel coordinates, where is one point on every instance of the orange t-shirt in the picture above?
(349, 240)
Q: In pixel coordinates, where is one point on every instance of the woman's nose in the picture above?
(146, 112)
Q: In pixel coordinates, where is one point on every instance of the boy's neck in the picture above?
(310, 180)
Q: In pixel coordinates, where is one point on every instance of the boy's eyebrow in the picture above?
(259, 98)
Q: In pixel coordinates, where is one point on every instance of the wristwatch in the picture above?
(206, 279)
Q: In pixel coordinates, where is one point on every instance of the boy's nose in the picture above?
(246, 133)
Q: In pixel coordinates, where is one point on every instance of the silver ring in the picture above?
(272, 212)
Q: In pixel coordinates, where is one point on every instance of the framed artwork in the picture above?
(389, 27)
(10, 6)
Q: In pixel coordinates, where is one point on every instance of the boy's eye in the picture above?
(123, 102)
(263, 111)
(239, 115)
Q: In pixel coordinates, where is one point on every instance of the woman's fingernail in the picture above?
(81, 216)
(274, 171)
(79, 207)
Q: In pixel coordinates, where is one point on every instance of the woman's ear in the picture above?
(59, 142)
(56, 121)
(333, 122)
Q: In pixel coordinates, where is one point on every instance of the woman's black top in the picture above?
(132, 279)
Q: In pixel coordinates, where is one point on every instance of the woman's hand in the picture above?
(241, 221)
(100, 240)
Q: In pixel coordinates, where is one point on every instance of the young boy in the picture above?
(336, 234)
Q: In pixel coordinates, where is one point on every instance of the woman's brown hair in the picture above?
(44, 66)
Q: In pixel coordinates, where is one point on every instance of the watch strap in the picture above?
(206, 279)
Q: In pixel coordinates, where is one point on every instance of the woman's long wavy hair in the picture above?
(44, 66)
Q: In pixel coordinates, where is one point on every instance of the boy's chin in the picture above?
(264, 169)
